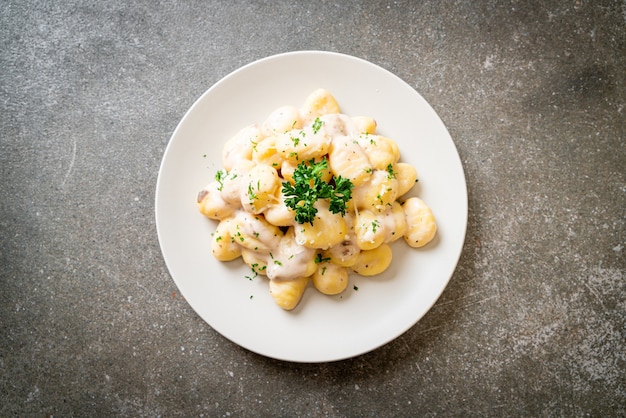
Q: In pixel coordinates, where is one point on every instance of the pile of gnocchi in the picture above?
(270, 215)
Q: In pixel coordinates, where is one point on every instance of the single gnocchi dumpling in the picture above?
(374, 228)
(318, 103)
(239, 147)
(290, 260)
(330, 279)
(344, 254)
(364, 124)
(259, 189)
(421, 224)
(230, 182)
(394, 222)
(255, 260)
(378, 193)
(381, 151)
(223, 246)
(278, 213)
(337, 124)
(211, 203)
(406, 175)
(347, 251)
(347, 159)
(370, 231)
(282, 120)
(287, 293)
(254, 232)
(373, 262)
(328, 229)
(303, 144)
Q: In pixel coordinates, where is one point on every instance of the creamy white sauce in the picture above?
(231, 185)
(290, 260)
(339, 124)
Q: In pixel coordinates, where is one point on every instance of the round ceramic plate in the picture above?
(371, 311)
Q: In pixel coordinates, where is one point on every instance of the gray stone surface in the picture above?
(533, 322)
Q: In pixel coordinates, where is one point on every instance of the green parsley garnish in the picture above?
(254, 272)
(391, 174)
(251, 193)
(309, 188)
(317, 124)
(320, 259)
(375, 224)
(220, 176)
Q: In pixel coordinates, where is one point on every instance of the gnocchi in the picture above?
(312, 195)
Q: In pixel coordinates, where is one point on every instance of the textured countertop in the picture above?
(533, 321)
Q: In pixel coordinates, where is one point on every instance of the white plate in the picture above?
(321, 328)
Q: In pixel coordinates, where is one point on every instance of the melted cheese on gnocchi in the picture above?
(255, 224)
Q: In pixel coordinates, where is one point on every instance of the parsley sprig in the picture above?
(309, 187)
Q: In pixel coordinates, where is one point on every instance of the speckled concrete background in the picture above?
(533, 322)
